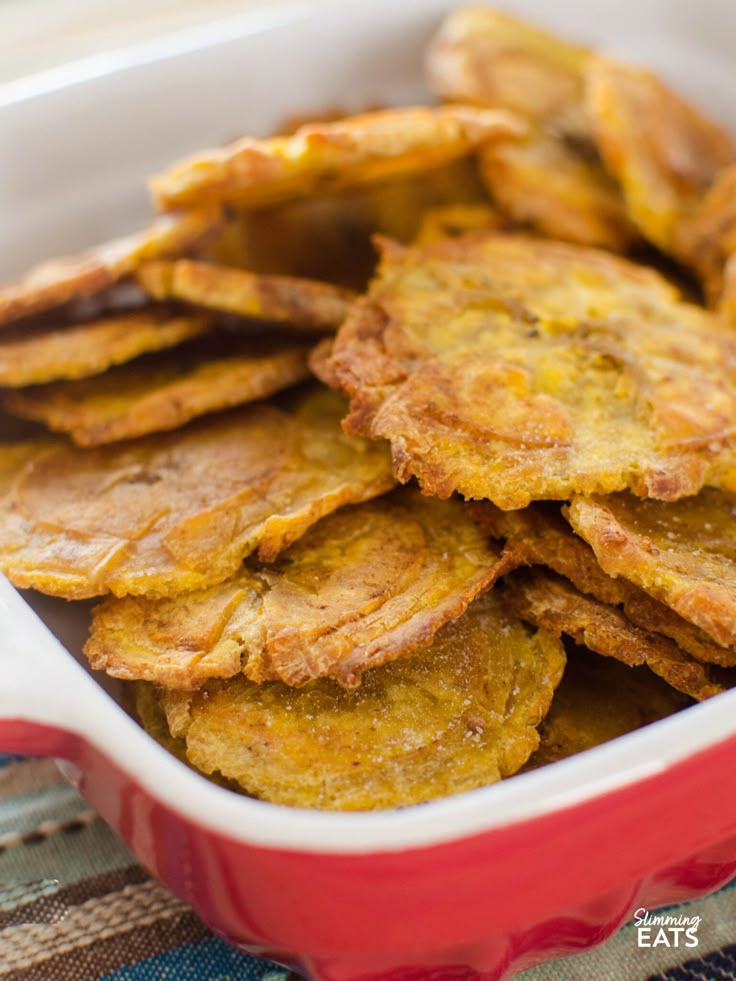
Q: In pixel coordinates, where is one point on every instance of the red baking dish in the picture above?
(479, 886)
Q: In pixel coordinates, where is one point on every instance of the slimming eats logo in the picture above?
(665, 930)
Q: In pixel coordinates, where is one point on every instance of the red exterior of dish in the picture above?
(481, 907)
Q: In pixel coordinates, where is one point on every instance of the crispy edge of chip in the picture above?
(96, 345)
(550, 602)
(57, 281)
(83, 410)
(355, 150)
(663, 175)
(539, 536)
(528, 701)
(303, 304)
(542, 183)
(621, 552)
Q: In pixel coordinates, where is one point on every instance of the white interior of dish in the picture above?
(75, 146)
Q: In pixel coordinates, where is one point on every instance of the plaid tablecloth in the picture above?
(75, 906)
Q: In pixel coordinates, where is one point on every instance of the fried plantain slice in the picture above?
(455, 219)
(328, 156)
(176, 512)
(459, 715)
(328, 236)
(364, 586)
(58, 281)
(45, 354)
(598, 700)
(302, 304)
(488, 58)
(164, 393)
(684, 555)
(514, 369)
(538, 535)
(559, 189)
(708, 241)
(553, 180)
(663, 151)
(548, 601)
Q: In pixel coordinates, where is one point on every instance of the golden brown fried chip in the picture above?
(176, 512)
(161, 394)
(683, 554)
(553, 180)
(538, 535)
(489, 58)
(662, 150)
(329, 236)
(329, 156)
(79, 350)
(709, 240)
(60, 280)
(598, 700)
(550, 602)
(514, 369)
(559, 189)
(299, 303)
(455, 219)
(364, 586)
(459, 715)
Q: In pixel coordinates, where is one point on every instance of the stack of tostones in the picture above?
(443, 298)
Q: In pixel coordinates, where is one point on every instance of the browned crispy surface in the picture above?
(514, 369)
(176, 512)
(165, 392)
(550, 602)
(365, 586)
(299, 303)
(598, 700)
(538, 535)
(461, 714)
(558, 189)
(664, 152)
(683, 554)
(59, 280)
(88, 348)
(329, 156)
(489, 58)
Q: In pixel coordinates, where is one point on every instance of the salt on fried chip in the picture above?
(538, 535)
(159, 394)
(58, 281)
(558, 189)
(550, 602)
(459, 715)
(455, 219)
(179, 511)
(365, 586)
(299, 303)
(514, 369)
(683, 554)
(72, 351)
(329, 156)
(488, 58)
(598, 700)
(663, 151)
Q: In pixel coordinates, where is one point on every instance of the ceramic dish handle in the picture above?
(42, 688)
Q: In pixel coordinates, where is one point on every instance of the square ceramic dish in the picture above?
(479, 886)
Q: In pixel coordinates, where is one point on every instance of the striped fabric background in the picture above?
(75, 906)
